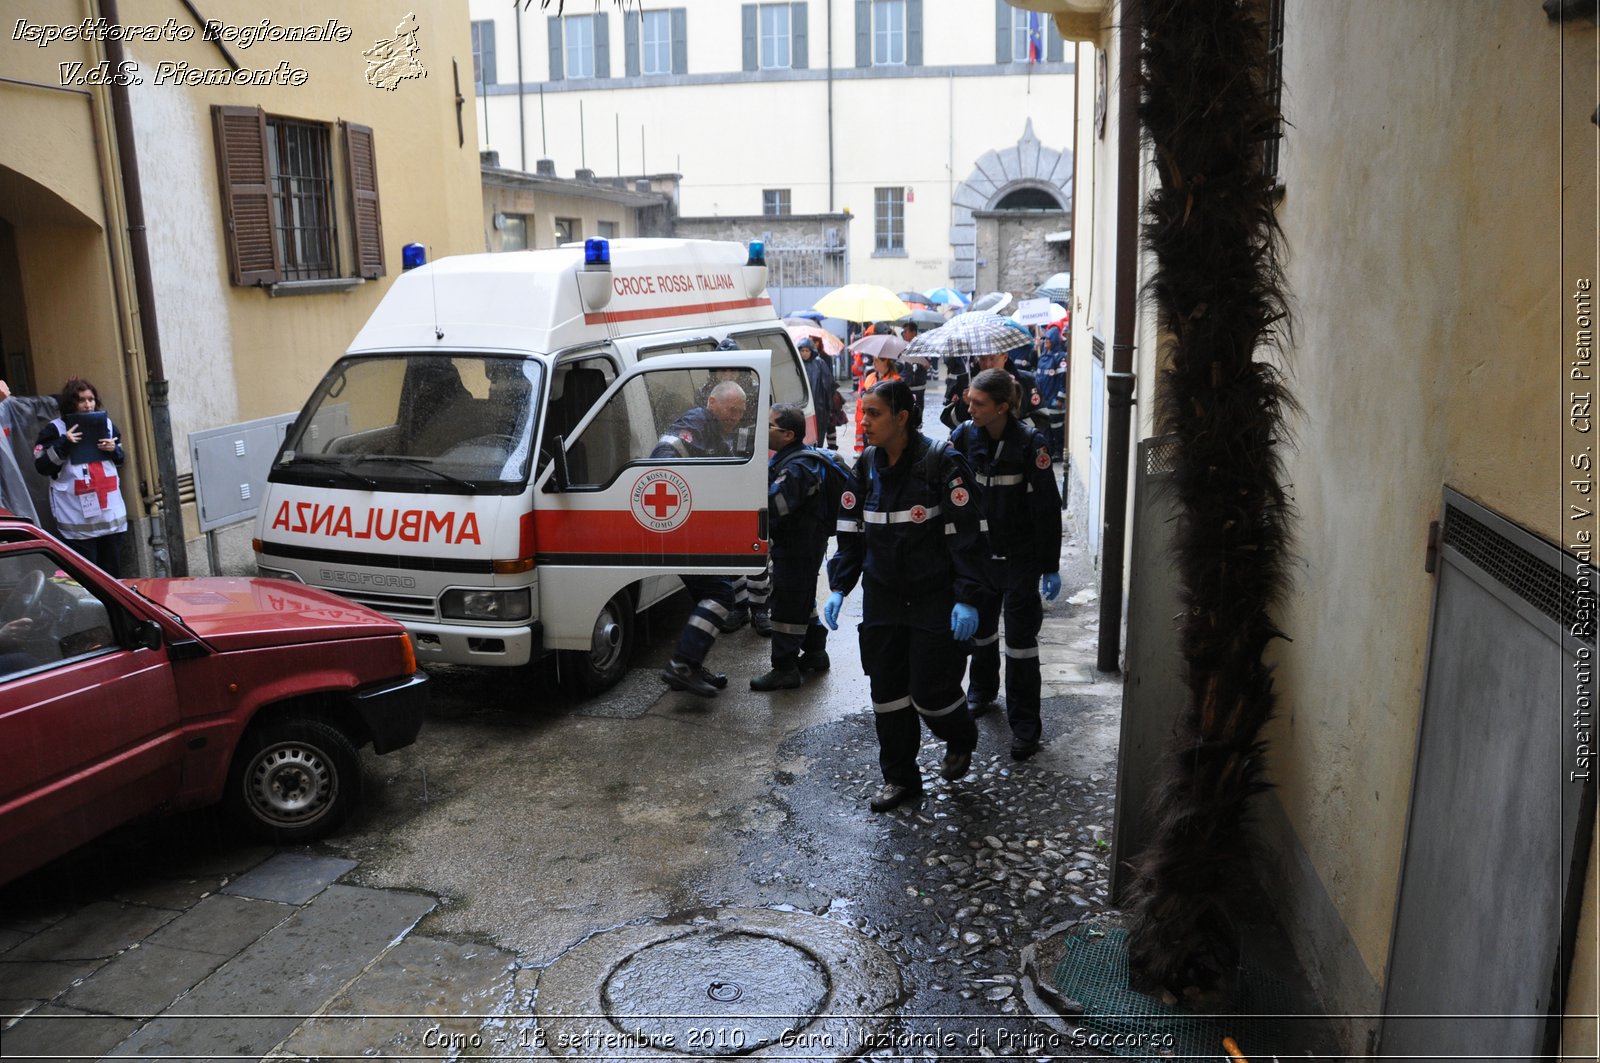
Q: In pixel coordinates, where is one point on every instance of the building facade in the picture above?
(905, 116)
(282, 162)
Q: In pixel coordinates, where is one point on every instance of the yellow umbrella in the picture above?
(861, 302)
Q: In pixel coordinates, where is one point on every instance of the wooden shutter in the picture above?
(246, 184)
(630, 42)
(1053, 44)
(366, 220)
(555, 48)
(863, 33)
(747, 19)
(602, 44)
(680, 40)
(913, 32)
(797, 37)
(1002, 31)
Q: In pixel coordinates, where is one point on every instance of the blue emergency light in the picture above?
(596, 252)
(758, 253)
(412, 256)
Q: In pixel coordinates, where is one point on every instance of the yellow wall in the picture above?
(235, 353)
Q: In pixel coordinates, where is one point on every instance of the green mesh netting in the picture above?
(1094, 972)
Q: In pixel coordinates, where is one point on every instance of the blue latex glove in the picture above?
(830, 609)
(1050, 586)
(963, 622)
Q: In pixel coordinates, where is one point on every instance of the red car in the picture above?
(122, 698)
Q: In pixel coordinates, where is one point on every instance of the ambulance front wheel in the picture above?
(610, 648)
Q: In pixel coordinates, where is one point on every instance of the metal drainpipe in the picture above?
(1120, 380)
(830, 106)
(177, 559)
(522, 120)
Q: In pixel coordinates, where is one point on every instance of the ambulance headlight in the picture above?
(486, 605)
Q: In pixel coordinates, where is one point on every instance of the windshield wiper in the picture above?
(425, 465)
(336, 465)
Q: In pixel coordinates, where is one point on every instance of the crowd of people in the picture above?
(952, 543)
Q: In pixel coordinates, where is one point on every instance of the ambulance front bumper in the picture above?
(485, 647)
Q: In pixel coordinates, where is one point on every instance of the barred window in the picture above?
(889, 219)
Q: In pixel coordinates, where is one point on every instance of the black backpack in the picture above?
(928, 466)
(836, 478)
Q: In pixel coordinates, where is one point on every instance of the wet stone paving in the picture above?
(955, 887)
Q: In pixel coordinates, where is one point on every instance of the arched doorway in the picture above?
(1025, 176)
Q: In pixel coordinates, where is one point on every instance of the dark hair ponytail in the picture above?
(897, 395)
(999, 385)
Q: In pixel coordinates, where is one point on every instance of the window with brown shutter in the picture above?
(366, 220)
(277, 182)
(242, 169)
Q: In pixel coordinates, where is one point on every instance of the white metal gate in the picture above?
(1498, 835)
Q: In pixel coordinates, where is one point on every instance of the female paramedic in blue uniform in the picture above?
(1022, 507)
(911, 532)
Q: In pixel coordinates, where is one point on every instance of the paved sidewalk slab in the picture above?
(259, 997)
(39, 980)
(143, 981)
(64, 1035)
(438, 992)
(290, 878)
(222, 925)
(95, 931)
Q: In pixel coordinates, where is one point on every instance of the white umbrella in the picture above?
(992, 303)
(969, 336)
(1056, 288)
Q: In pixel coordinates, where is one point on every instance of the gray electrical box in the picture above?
(230, 468)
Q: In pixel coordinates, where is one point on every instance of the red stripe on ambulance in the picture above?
(612, 532)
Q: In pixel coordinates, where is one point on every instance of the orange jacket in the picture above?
(866, 383)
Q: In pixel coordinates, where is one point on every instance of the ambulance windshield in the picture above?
(443, 423)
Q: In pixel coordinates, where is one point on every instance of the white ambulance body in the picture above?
(479, 464)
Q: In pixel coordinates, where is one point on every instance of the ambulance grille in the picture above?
(395, 605)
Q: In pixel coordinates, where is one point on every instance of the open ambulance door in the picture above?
(616, 506)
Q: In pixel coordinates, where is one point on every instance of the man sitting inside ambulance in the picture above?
(708, 431)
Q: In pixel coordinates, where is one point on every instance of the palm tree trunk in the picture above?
(1218, 291)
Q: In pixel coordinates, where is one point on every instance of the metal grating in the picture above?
(1097, 347)
(1094, 972)
(1550, 591)
(1161, 456)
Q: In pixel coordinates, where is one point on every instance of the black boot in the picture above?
(784, 676)
(681, 675)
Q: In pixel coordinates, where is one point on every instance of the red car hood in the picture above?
(248, 613)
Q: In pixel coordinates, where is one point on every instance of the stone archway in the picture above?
(1027, 164)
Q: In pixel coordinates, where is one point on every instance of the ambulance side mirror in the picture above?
(558, 462)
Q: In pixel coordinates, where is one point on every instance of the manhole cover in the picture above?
(742, 989)
(733, 983)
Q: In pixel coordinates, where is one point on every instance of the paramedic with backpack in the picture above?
(798, 505)
(911, 532)
(1022, 508)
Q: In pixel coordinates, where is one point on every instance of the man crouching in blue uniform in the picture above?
(912, 534)
(707, 431)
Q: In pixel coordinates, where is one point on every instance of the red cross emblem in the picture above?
(959, 496)
(1043, 459)
(97, 482)
(661, 498)
(919, 514)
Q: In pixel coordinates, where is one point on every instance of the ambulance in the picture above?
(482, 463)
